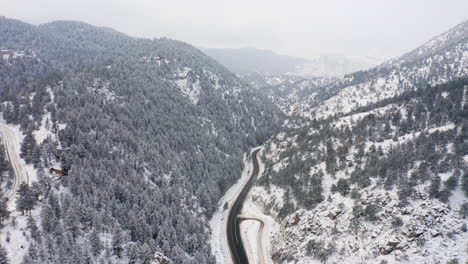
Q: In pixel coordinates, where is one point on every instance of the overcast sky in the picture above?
(306, 28)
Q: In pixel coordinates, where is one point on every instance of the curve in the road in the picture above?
(11, 151)
(259, 235)
(238, 253)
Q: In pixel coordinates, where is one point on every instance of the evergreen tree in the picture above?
(465, 182)
(31, 225)
(28, 146)
(434, 188)
(95, 243)
(26, 199)
(4, 212)
(117, 243)
(3, 256)
(342, 186)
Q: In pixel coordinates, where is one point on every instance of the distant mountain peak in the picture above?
(245, 61)
(457, 35)
(252, 60)
(332, 65)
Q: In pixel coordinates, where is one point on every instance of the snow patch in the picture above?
(190, 89)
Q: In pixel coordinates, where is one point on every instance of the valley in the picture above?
(165, 153)
(236, 246)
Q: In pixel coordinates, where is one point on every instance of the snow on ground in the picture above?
(249, 232)
(101, 87)
(431, 232)
(44, 130)
(189, 88)
(214, 78)
(218, 241)
(458, 197)
(14, 236)
(394, 81)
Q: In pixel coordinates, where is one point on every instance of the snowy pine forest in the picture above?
(146, 165)
(129, 144)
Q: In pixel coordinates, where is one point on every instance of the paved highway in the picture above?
(238, 253)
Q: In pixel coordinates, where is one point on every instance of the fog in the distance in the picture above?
(301, 28)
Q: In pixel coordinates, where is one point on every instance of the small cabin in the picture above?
(57, 171)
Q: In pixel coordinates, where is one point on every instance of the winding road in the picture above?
(260, 246)
(10, 142)
(238, 253)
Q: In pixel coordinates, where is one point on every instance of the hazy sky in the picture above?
(304, 28)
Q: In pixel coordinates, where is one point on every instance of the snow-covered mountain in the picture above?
(260, 81)
(286, 94)
(442, 59)
(373, 167)
(143, 137)
(335, 65)
(286, 90)
(250, 60)
(151, 134)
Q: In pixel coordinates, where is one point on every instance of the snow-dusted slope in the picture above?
(335, 65)
(442, 59)
(378, 185)
(372, 168)
(286, 90)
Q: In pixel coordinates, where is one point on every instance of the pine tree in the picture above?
(465, 182)
(26, 199)
(27, 147)
(31, 225)
(3, 162)
(3, 256)
(36, 156)
(4, 212)
(95, 242)
(72, 222)
(342, 186)
(117, 243)
(33, 256)
(434, 188)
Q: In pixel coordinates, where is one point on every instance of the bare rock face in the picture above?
(334, 228)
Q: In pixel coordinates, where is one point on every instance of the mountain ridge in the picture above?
(150, 132)
(372, 167)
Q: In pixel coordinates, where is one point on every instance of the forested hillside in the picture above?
(374, 174)
(150, 132)
(372, 168)
(128, 144)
